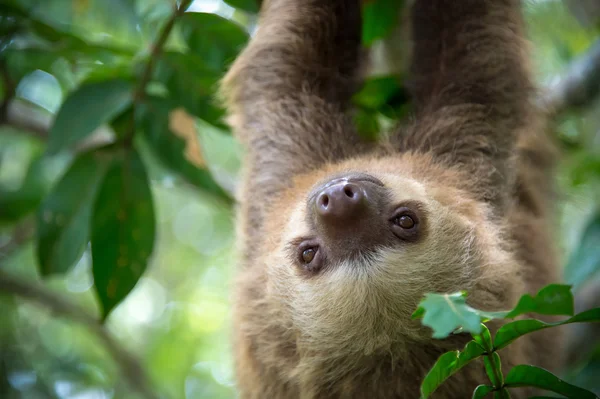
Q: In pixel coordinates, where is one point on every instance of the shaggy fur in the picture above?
(474, 158)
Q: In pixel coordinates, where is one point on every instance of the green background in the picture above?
(83, 60)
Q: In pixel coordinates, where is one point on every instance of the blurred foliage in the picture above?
(116, 182)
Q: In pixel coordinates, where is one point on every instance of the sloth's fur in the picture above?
(474, 157)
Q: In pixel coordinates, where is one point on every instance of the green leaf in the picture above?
(531, 376)
(193, 84)
(246, 5)
(585, 260)
(217, 40)
(587, 167)
(21, 62)
(12, 8)
(123, 229)
(502, 394)
(89, 107)
(511, 331)
(63, 219)
(15, 204)
(379, 19)
(367, 123)
(485, 338)
(444, 313)
(493, 369)
(52, 34)
(376, 92)
(172, 136)
(482, 391)
(447, 365)
(553, 299)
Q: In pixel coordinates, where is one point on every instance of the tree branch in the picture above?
(21, 234)
(24, 116)
(577, 87)
(130, 367)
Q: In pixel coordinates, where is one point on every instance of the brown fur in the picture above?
(474, 157)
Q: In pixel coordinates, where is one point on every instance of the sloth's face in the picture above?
(361, 244)
(350, 217)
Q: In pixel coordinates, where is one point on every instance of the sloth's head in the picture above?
(358, 245)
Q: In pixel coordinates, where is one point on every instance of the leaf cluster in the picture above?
(149, 101)
(448, 314)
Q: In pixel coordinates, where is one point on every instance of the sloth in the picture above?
(339, 239)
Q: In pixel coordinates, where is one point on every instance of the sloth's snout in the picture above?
(348, 214)
(341, 202)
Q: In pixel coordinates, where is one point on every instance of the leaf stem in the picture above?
(157, 48)
(493, 359)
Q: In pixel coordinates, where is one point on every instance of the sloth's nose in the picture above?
(342, 202)
(348, 216)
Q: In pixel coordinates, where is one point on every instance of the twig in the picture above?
(130, 367)
(22, 233)
(577, 87)
(157, 48)
(9, 90)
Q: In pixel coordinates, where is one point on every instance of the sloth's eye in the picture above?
(308, 255)
(405, 224)
(405, 221)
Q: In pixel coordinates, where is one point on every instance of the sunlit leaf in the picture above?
(123, 230)
(246, 5)
(215, 39)
(531, 376)
(62, 39)
(86, 109)
(447, 365)
(513, 330)
(444, 313)
(379, 19)
(482, 391)
(554, 299)
(171, 133)
(63, 218)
